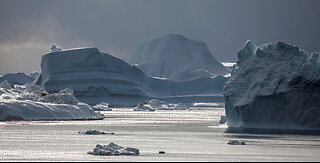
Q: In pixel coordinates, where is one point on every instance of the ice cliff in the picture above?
(96, 77)
(274, 85)
(176, 58)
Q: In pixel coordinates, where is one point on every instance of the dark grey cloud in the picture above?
(29, 27)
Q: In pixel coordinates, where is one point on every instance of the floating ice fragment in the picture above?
(236, 142)
(113, 150)
(95, 132)
(223, 119)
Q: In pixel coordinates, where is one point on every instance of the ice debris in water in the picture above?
(152, 105)
(95, 132)
(236, 142)
(223, 119)
(103, 106)
(113, 150)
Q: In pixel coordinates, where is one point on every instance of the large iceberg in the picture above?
(99, 77)
(177, 58)
(275, 85)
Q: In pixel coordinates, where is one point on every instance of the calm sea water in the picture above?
(185, 135)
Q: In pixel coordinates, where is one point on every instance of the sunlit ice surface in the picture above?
(184, 135)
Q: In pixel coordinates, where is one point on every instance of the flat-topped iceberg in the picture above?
(177, 58)
(275, 85)
(99, 77)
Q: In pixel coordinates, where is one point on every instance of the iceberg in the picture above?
(98, 77)
(95, 132)
(34, 103)
(177, 58)
(236, 142)
(275, 85)
(154, 104)
(103, 106)
(113, 149)
(17, 78)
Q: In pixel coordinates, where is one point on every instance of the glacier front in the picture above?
(274, 85)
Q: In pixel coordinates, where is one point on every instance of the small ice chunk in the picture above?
(223, 119)
(113, 150)
(95, 132)
(236, 142)
(103, 106)
(162, 152)
(152, 105)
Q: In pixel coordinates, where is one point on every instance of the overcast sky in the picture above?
(28, 28)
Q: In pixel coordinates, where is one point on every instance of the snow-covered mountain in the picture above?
(275, 85)
(17, 78)
(99, 77)
(176, 58)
